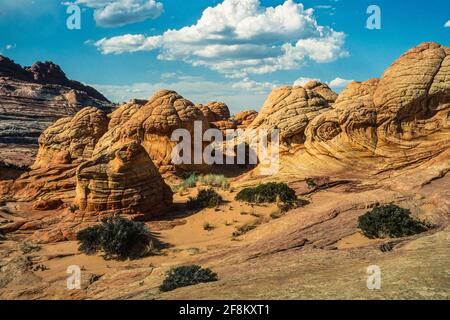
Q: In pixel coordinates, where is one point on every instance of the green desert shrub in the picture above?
(186, 276)
(189, 182)
(390, 221)
(208, 198)
(215, 180)
(118, 238)
(267, 193)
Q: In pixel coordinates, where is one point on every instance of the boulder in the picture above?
(125, 180)
(152, 127)
(290, 109)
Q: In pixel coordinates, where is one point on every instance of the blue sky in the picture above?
(234, 52)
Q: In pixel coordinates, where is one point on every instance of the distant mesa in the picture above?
(31, 99)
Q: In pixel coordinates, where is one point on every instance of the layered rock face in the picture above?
(243, 119)
(215, 111)
(394, 122)
(31, 99)
(218, 116)
(124, 179)
(124, 112)
(72, 139)
(62, 147)
(290, 109)
(152, 127)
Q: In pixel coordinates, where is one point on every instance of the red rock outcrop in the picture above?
(243, 119)
(124, 112)
(290, 109)
(31, 99)
(125, 180)
(398, 121)
(62, 147)
(152, 127)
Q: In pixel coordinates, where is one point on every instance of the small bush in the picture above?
(118, 238)
(390, 221)
(74, 208)
(205, 199)
(27, 248)
(311, 183)
(267, 193)
(208, 226)
(277, 214)
(186, 276)
(189, 182)
(246, 228)
(215, 180)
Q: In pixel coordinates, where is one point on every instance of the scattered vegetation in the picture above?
(208, 226)
(246, 228)
(186, 276)
(208, 198)
(277, 214)
(211, 180)
(268, 193)
(189, 182)
(27, 248)
(74, 208)
(388, 246)
(311, 183)
(118, 238)
(93, 278)
(390, 221)
(215, 180)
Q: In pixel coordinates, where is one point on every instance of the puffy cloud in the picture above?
(242, 37)
(128, 43)
(339, 83)
(236, 97)
(116, 13)
(447, 24)
(303, 80)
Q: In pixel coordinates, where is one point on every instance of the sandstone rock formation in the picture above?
(152, 127)
(243, 119)
(62, 147)
(31, 99)
(215, 111)
(398, 121)
(123, 179)
(124, 112)
(290, 109)
(71, 139)
(218, 115)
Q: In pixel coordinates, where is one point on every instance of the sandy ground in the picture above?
(315, 251)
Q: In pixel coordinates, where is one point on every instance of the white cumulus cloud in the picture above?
(304, 80)
(447, 24)
(339, 83)
(116, 13)
(241, 37)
